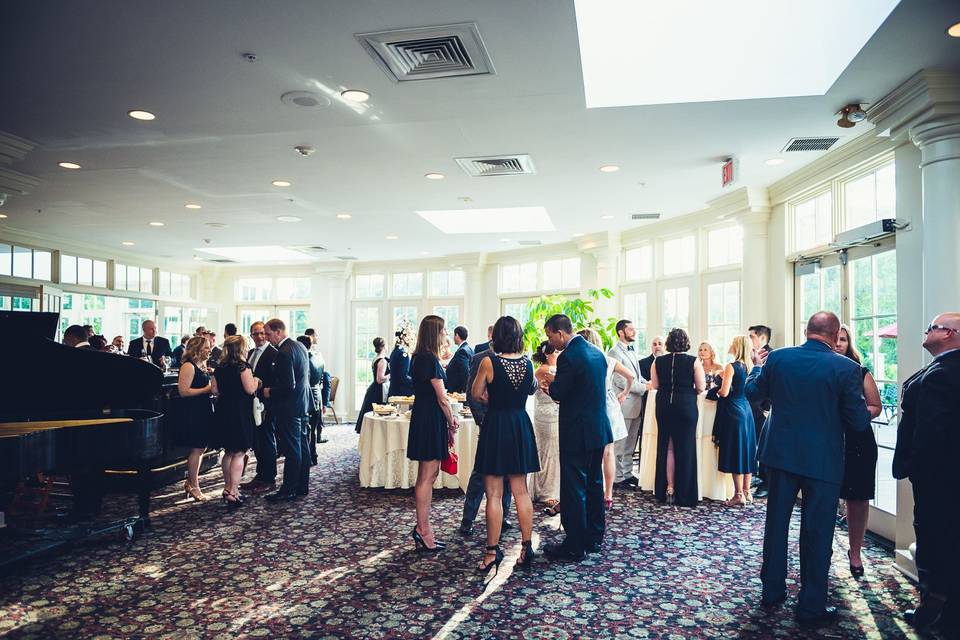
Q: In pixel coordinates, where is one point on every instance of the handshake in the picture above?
(546, 378)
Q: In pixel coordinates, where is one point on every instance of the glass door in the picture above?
(249, 315)
(296, 319)
(819, 289)
(366, 327)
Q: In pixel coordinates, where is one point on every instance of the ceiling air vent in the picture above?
(645, 216)
(310, 250)
(427, 53)
(347, 258)
(513, 165)
(221, 260)
(810, 144)
(530, 243)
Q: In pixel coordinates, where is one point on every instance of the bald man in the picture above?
(927, 443)
(817, 395)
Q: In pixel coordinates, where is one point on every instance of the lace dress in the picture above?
(507, 444)
(545, 485)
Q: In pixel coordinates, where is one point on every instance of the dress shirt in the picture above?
(82, 344)
(148, 346)
(255, 357)
(935, 358)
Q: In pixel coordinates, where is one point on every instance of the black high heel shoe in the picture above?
(231, 500)
(497, 559)
(856, 572)
(528, 555)
(421, 544)
(670, 496)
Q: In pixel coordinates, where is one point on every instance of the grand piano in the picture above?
(95, 418)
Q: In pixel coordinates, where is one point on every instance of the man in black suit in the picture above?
(580, 386)
(483, 346)
(76, 336)
(177, 357)
(260, 359)
(458, 370)
(150, 344)
(656, 350)
(290, 398)
(927, 441)
(760, 339)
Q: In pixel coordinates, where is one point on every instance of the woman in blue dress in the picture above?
(432, 425)
(401, 383)
(733, 428)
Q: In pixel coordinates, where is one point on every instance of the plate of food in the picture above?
(400, 399)
(383, 409)
(457, 397)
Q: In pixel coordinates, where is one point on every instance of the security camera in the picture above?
(304, 150)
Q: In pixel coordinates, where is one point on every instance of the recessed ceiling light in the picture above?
(609, 168)
(393, 237)
(197, 258)
(2, 215)
(355, 95)
(772, 162)
(281, 183)
(578, 235)
(954, 30)
(434, 176)
(156, 224)
(288, 219)
(127, 243)
(138, 114)
(606, 217)
(424, 253)
(192, 205)
(504, 239)
(68, 165)
(343, 216)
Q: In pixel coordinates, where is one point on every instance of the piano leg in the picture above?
(143, 496)
(87, 495)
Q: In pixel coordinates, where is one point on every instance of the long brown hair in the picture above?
(852, 352)
(429, 336)
(234, 349)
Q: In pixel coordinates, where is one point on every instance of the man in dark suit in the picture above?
(580, 386)
(816, 395)
(150, 344)
(927, 442)
(458, 370)
(483, 346)
(290, 398)
(260, 359)
(76, 336)
(177, 356)
(760, 335)
(656, 350)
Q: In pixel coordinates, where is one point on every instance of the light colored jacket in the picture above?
(634, 401)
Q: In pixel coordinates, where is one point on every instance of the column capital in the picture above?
(746, 204)
(927, 136)
(928, 95)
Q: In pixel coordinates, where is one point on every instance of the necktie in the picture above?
(149, 347)
(254, 358)
(629, 347)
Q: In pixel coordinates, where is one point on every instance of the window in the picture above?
(676, 309)
(119, 274)
(870, 198)
(294, 318)
(725, 246)
(450, 314)
(635, 310)
(516, 310)
(813, 222)
(639, 263)
(22, 262)
(406, 313)
(293, 289)
(254, 289)
(819, 290)
(130, 278)
(723, 315)
(100, 273)
(369, 286)
(679, 255)
(85, 271)
(561, 274)
(407, 284)
(446, 283)
(146, 280)
(6, 261)
(367, 326)
(518, 277)
(42, 264)
(174, 285)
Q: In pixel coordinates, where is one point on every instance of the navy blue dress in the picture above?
(734, 430)
(507, 445)
(401, 370)
(374, 393)
(193, 416)
(859, 463)
(427, 439)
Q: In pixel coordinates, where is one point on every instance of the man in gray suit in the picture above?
(625, 353)
(817, 395)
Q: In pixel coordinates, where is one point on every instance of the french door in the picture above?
(297, 319)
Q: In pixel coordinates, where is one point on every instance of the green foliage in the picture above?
(580, 312)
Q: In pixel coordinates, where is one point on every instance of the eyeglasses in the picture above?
(934, 327)
(258, 333)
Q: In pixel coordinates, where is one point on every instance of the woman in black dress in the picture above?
(507, 446)
(193, 423)
(235, 386)
(381, 374)
(678, 377)
(432, 425)
(859, 460)
(401, 383)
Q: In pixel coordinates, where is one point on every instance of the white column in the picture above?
(753, 294)
(473, 298)
(604, 273)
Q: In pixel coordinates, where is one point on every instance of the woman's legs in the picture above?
(236, 472)
(745, 483)
(423, 496)
(518, 486)
(670, 465)
(493, 488)
(193, 468)
(858, 512)
(609, 471)
(738, 497)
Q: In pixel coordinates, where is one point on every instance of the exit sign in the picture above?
(727, 174)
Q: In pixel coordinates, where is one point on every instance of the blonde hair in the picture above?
(233, 352)
(852, 352)
(741, 346)
(713, 352)
(193, 352)
(591, 336)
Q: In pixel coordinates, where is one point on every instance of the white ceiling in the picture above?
(73, 70)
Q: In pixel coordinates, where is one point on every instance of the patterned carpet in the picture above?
(340, 563)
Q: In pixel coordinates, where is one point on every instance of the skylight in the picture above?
(642, 53)
(257, 255)
(508, 220)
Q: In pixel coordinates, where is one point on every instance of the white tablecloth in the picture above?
(383, 454)
(712, 484)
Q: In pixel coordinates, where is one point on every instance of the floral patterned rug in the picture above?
(341, 563)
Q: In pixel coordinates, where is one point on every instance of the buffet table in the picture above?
(383, 454)
(712, 484)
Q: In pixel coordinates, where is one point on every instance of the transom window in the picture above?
(23, 262)
(871, 197)
(725, 246)
(254, 289)
(128, 278)
(638, 263)
(407, 284)
(561, 274)
(679, 255)
(84, 271)
(174, 285)
(293, 288)
(369, 285)
(446, 283)
(518, 277)
(813, 222)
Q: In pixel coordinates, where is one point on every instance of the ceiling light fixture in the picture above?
(127, 243)
(281, 183)
(504, 239)
(434, 176)
(197, 258)
(578, 235)
(156, 224)
(68, 165)
(393, 237)
(288, 219)
(772, 162)
(609, 168)
(192, 205)
(606, 217)
(424, 253)
(954, 30)
(354, 95)
(850, 115)
(344, 216)
(2, 216)
(139, 114)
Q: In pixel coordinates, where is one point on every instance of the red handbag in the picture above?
(449, 464)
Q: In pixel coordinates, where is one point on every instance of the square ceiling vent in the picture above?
(428, 53)
(512, 165)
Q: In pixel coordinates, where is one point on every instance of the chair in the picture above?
(334, 385)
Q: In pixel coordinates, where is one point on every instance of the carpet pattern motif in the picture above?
(340, 563)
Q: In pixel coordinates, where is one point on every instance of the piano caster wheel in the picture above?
(129, 533)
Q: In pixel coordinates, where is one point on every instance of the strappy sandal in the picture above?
(552, 508)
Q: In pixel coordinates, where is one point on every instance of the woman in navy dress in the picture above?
(235, 387)
(401, 383)
(678, 378)
(507, 446)
(193, 421)
(860, 453)
(432, 425)
(381, 374)
(733, 428)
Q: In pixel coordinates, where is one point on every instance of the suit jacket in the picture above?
(483, 346)
(161, 348)
(290, 392)
(214, 359)
(264, 368)
(634, 401)
(458, 369)
(581, 389)
(816, 396)
(478, 409)
(927, 434)
(645, 366)
(401, 384)
(177, 356)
